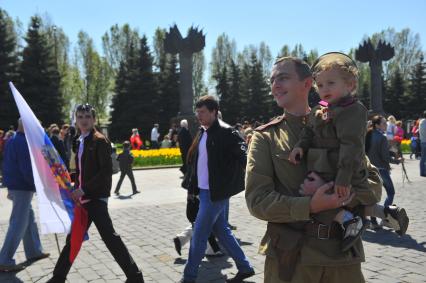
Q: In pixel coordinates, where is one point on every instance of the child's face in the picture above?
(332, 86)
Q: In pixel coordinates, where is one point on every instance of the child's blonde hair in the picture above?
(338, 61)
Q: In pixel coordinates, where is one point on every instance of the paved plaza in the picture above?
(148, 222)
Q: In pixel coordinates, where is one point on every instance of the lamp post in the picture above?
(56, 45)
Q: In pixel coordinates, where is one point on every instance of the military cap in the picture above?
(329, 58)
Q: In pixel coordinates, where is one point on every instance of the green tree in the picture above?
(40, 84)
(393, 99)
(116, 44)
(284, 52)
(168, 102)
(261, 102)
(198, 68)
(166, 66)
(71, 84)
(231, 106)
(97, 75)
(160, 56)
(121, 120)
(407, 51)
(223, 53)
(223, 92)
(417, 90)
(8, 70)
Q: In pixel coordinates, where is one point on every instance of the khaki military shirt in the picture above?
(272, 185)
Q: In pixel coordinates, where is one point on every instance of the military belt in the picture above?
(321, 231)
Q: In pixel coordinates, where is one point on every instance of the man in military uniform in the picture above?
(298, 249)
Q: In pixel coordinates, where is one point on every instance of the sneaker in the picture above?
(397, 219)
(11, 268)
(136, 192)
(241, 276)
(39, 257)
(117, 193)
(352, 232)
(178, 245)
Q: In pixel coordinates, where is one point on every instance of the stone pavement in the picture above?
(148, 222)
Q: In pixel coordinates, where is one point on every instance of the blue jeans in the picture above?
(22, 226)
(211, 217)
(388, 184)
(423, 159)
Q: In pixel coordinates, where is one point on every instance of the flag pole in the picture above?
(57, 243)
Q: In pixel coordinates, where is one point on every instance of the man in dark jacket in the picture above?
(92, 189)
(126, 160)
(217, 162)
(18, 177)
(185, 141)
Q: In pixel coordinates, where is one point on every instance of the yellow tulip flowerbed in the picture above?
(157, 157)
(406, 146)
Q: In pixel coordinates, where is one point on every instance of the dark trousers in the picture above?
(388, 184)
(98, 214)
(129, 173)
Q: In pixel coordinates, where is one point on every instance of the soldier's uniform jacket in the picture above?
(334, 142)
(272, 185)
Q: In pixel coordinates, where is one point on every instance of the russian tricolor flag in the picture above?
(52, 181)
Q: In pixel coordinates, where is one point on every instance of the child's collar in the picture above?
(344, 101)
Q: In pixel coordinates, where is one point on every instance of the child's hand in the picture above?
(296, 155)
(342, 191)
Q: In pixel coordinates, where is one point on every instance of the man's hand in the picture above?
(296, 155)
(190, 196)
(322, 201)
(76, 195)
(311, 183)
(342, 191)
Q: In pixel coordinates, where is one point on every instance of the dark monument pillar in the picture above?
(375, 56)
(185, 47)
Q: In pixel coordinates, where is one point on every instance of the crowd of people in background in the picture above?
(64, 136)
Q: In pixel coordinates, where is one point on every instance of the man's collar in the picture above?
(83, 136)
(212, 127)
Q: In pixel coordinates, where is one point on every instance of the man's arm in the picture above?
(384, 151)
(262, 200)
(103, 155)
(24, 161)
(237, 146)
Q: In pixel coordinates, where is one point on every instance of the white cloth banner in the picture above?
(53, 214)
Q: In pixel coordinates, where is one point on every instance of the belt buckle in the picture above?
(319, 233)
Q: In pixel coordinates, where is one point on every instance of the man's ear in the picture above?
(308, 83)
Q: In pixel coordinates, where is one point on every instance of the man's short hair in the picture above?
(302, 68)
(86, 107)
(209, 101)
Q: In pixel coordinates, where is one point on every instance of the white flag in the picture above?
(50, 176)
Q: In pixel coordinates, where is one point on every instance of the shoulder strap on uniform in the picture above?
(273, 122)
